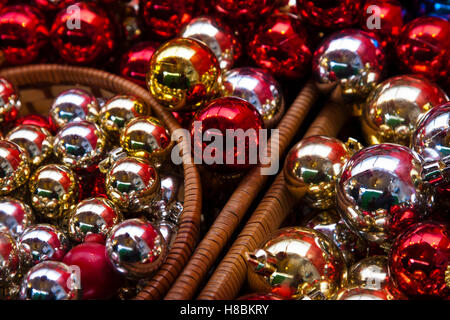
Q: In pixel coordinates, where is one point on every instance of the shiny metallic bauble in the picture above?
(301, 261)
(14, 166)
(80, 145)
(146, 137)
(392, 110)
(352, 245)
(118, 110)
(15, 216)
(133, 184)
(349, 63)
(37, 141)
(379, 193)
(93, 216)
(51, 280)
(357, 293)
(183, 74)
(136, 248)
(73, 105)
(10, 103)
(42, 242)
(9, 258)
(312, 167)
(217, 36)
(258, 87)
(54, 190)
(370, 273)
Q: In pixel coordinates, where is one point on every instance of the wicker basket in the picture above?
(39, 84)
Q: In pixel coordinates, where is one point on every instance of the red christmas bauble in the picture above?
(244, 9)
(10, 103)
(98, 278)
(419, 260)
(383, 19)
(92, 184)
(330, 13)
(135, 63)
(165, 18)
(423, 47)
(184, 118)
(212, 124)
(82, 33)
(22, 34)
(35, 120)
(52, 5)
(280, 46)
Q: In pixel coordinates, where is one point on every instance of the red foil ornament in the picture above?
(22, 34)
(334, 14)
(280, 46)
(212, 123)
(135, 63)
(98, 278)
(423, 47)
(82, 33)
(419, 260)
(240, 10)
(165, 18)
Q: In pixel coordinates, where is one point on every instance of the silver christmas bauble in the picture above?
(15, 216)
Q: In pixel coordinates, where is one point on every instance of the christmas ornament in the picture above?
(135, 62)
(131, 26)
(258, 87)
(82, 33)
(9, 101)
(330, 13)
(394, 107)
(244, 10)
(419, 260)
(146, 137)
(136, 248)
(35, 120)
(261, 296)
(370, 273)
(80, 145)
(217, 36)
(280, 46)
(329, 222)
(37, 141)
(133, 184)
(300, 262)
(73, 105)
(42, 242)
(9, 259)
(164, 19)
(14, 166)
(98, 277)
(219, 116)
(51, 280)
(288, 6)
(183, 74)
(357, 293)
(54, 190)
(93, 216)
(23, 33)
(379, 193)
(312, 167)
(15, 216)
(349, 63)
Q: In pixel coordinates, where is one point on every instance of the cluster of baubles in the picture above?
(88, 198)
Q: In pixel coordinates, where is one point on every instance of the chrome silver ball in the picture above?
(9, 258)
(15, 216)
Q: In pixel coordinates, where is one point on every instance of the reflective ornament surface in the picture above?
(23, 33)
(370, 273)
(356, 293)
(312, 167)
(379, 192)
(83, 33)
(37, 141)
(51, 280)
(136, 248)
(298, 261)
(80, 145)
(73, 105)
(135, 62)
(419, 260)
(183, 74)
(52, 5)
(54, 190)
(34, 119)
(280, 45)
(9, 101)
(133, 184)
(243, 10)
(93, 216)
(146, 137)
(217, 36)
(258, 87)
(42, 242)
(14, 166)
(15, 216)
(392, 110)
(9, 259)
(349, 63)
